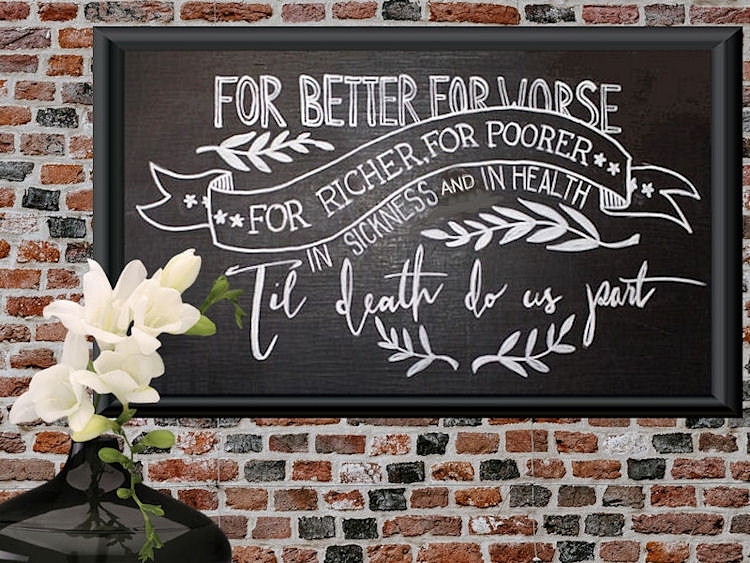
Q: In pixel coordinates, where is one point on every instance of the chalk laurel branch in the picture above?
(259, 149)
(390, 341)
(554, 345)
(549, 226)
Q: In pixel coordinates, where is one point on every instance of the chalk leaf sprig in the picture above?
(261, 148)
(519, 363)
(548, 226)
(406, 351)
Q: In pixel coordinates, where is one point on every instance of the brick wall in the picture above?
(349, 490)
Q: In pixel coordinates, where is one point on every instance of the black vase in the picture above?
(77, 517)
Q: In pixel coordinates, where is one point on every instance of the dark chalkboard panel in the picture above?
(443, 221)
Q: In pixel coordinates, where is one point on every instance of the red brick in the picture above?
(670, 495)
(247, 499)
(453, 471)
(197, 443)
(410, 526)
(37, 251)
(578, 442)
(610, 14)
(611, 422)
(65, 65)
(497, 421)
(225, 11)
(740, 470)
(7, 197)
(62, 279)
(360, 473)
(4, 248)
(272, 527)
(719, 15)
(42, 143)
(25, 38)
(395, 421)
(513, 525)
(620, 551)
(453, 552)
(295, 499)
(72, 38)
(706, 468)
(653, 422)
(26, 469)
(477, 442)
(521, 440)
(727, 497)
(13, 386)
(181, 470)
(288, 443)
(597, 469)
(474, 13)
(390, 444)
(81, 147)
(719, 552)
(200, 499)
(27, 306)
(14, 11)
(14, 115)
(37, 358)
(678, 523)
(33, 90)
(7, 144)
(429, 497)
(12, 443)
(18, 63)
(521, 552)
(47, 442)
(298, 555)
(253, 554)
(481, 497)
(717, 442)
(82, 200)
(344, 500)
(62, 174)
(234, 527)
(661, 552)
(294, 421)
(20, 279)
(545, 468)
(355, 10)
(58, 11)
(311, 470)
(50, 332)
(397, 553)
(299, 13)
(340, 444)
(14, 333)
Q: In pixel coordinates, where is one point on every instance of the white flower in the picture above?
(181, 271)
(54, 393)
(158, 309)
(126, 373)
(104, 314)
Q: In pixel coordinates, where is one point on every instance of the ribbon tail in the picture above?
(655, 192)
(183, 202)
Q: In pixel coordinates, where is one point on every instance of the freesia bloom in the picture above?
(105, 312)
(125, 373)
(181, 271)
(53, 392)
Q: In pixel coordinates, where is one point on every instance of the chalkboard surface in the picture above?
(433, 221)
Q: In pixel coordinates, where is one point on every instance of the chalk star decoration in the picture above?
(220, 217)
(236, 220)
(613, 168)
(190, 201)
(204, 201)
(647, 189)
(600, 159)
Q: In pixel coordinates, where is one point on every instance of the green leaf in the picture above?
(111, 455)
(124, 493)
(163, 439)
(126, 415)
(204, 327)
(153, 509)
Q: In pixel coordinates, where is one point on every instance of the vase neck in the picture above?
(84, 470)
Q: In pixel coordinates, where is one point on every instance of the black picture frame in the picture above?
(719, 380)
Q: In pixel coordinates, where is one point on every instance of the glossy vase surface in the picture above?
(77, 517)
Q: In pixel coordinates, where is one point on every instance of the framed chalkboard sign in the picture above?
(448, 221)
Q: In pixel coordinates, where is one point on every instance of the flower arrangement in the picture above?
(125, 322)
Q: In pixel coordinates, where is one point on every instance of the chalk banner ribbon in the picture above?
(320, 205)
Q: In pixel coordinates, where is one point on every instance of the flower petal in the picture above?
(23, 410)
(75, 352)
